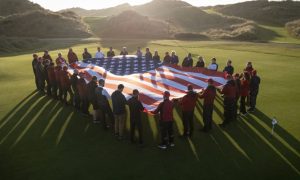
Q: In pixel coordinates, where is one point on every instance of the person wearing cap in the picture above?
(47, 56)
(34, 64)
(52, 80)
(124, 51)
(188, 61)
(66, 85)
(135, 108)
(245, 81)
(213, 66)
(209, 95)
(119, 102)
(72, 57)
(165, 109)
(86, 54)
(99, 54)
(57, 70)
(74, 80)
(148, 54)
(83, 94)
(174, 58)
(188, 104)
(60, 61)
(229, 92)
(237, 81)
(229, 69)
(102, 100)
(91, 87)
(200, 62)
(254, 89)
(110, 53)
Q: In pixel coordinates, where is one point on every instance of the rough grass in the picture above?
(42, 139)
(294, 28)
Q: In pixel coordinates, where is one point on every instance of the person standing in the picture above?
(156, 57)
(34, 65)
(110, 53)
(229, 69)
(66, 85)
(244, 92)
(229, 92)
(188, 61)
(46, 63)
(174, 58)
(254, 89)
(86, 54)
(72, 57)
(83, 94)
(102, 100)
(209, 95)
(165, 109)
(249, 68)
(57, 70)
(200, 62)
(148, 54)
(213, 66)
(167, 58)
(52, 80)
(99, 54)
(124, 51)
(47, 56)
(60, 61)
(119, 101)
(91, 87)
(237, 81)
(188, 104)
(135, 108)
(139, 53)
(40, 73)
(74, 82)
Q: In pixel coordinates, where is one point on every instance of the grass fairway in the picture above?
(42, 139)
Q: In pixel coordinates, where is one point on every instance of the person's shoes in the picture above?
(96, 122)
(244, 114)
(116, 134)
(172, 145)
(162, 146)
(222, 125)
(121, 138)
(183, 136)
(141, 145)
(250, 110)
(203, 130)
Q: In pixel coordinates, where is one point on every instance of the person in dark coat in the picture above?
(229, 93)
(174, 58)
(91, 87)
(167, 58)
(229, 69)
(86, 54)
(52, 80)
(254, 89)
(34, 64)
(72, 57)
(40, 74)
(208, 95)
(46, 63)
(110, 53)
(245, 81)
(74, 79)
(124, 52)
(47, 56)
(135, 108)
(83, 94)
(165, 109)
(200, 62)
(66, 85)
(119, 102)
(188, 61)
(156, 57)
(148, 54)
(102, 100)
(188, 104)
(57, 70)
(237, 81)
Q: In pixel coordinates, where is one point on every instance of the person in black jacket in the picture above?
(40, 74)
(86, 54)
(119, 102)
(200, 62)
(254, 89)
(135, 107)
(148, 54)
(188, 61)
(34, 63)
(110, 53)
(74, 80)
(229, 68)
(91, 86)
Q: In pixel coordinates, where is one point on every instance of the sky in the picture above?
(56, 5)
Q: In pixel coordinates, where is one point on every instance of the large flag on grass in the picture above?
(151, 78)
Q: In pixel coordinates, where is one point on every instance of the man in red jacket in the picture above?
(188, 104)
(165, 109)
(208, 95)
(72, 57)
(244, 92)
(229, 92)
(83, 94)
(52, 80)
(57, 71)
(66, 85)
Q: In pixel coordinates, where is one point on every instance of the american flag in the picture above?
(150, 77)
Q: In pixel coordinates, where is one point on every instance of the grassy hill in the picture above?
(41, 138)
(268, 13)
(9, 7)
(294, 28)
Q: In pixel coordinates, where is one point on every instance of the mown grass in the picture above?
(42, 139)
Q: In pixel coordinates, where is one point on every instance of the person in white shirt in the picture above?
(99, 54)
(213, 66)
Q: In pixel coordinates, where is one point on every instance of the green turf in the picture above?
(42, 139)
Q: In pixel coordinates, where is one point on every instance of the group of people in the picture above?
(55, 81)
